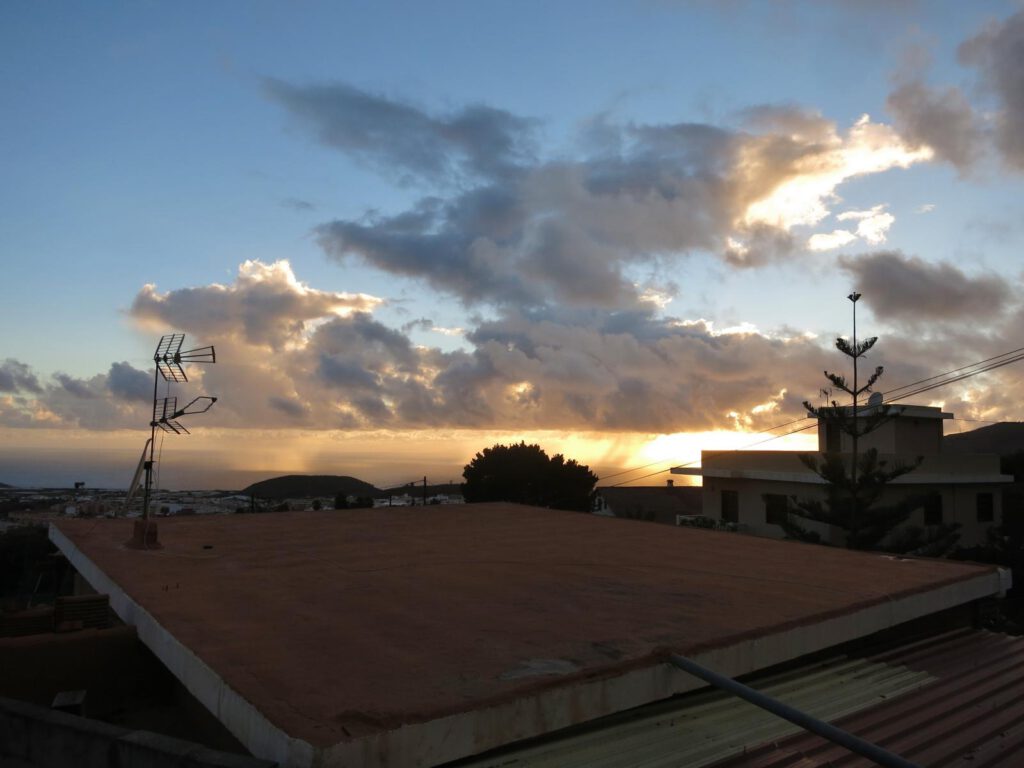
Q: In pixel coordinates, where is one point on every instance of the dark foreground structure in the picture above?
(420, 636)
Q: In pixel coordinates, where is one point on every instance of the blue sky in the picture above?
(169, 144)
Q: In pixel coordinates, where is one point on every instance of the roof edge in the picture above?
(242, 719)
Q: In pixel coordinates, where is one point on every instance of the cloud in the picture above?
(75, 387)
(475, 140)
(872, 227)
(569, 230)
(551, 367)
(942, 120)
(872, 224)
(996, 51)
(825, 161)
(289, 406)
(297, 204)
(88, 403)
(128, 383)
(910, 290)
(265, 306)
(16, 376)
(827, 241)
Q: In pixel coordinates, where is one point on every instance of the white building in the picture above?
(752, 489)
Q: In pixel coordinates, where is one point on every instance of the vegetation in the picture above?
(855, 486)
(310, 486)
(341, 501)
(527, 475)
(852, 503)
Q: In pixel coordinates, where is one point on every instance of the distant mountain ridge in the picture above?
(1004, 438)
(310, 486)
(305, 486)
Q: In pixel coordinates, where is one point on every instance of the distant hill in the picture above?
(1004, 438)
(5, 485)
(306, 486)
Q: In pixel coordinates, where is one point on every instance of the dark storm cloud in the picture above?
(128, 383)
(998, 51)
(940, 119)
(476, 139)
(909, 289)
(16, 376)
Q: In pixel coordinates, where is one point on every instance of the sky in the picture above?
(622, 230)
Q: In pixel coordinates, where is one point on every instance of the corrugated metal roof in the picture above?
(705, 727)
(972, 714)
(956, 698)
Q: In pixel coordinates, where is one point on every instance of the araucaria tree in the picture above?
(854, 486)
(526, 474)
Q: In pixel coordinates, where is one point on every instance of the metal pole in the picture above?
(827, 731)
(853, 460)
(152, 441)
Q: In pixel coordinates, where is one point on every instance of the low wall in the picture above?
(105, 662)
(45, 738)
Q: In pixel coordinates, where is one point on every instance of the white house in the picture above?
(752, 488)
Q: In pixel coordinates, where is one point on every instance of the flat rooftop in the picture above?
(409, 636)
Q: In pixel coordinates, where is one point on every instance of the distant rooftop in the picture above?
(417, 636)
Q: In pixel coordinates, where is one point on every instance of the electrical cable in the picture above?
(891, 392)
(938, 380)
(644, 466)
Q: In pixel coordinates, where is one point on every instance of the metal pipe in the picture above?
(807, 722)
(152, 440)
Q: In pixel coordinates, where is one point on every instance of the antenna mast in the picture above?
(168, 362)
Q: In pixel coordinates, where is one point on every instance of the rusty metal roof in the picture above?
(953, 699)
(971, 714)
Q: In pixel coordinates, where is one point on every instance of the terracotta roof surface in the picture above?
(338, 624)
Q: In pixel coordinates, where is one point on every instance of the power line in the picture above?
(939, 380)
(959, 376)
(891, 394)
(669, 461)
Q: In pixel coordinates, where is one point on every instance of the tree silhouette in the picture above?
(854, 490)
(852, 504)
(526, 474)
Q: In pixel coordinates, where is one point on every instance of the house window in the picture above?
(730, 506)
(985, 507)
(933, 509)
(776, 508)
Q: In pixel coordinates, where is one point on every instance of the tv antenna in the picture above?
(169, 360)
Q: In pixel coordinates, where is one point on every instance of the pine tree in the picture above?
(854, 489)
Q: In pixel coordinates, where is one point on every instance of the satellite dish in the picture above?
(875, 400)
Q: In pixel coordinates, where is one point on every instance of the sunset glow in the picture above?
(408, 238)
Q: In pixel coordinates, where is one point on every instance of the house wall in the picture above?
(752, 513)
(902, 434)
(959, 505)
(933, 466)
(917, 436)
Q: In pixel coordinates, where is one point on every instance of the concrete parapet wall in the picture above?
(46, 738)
